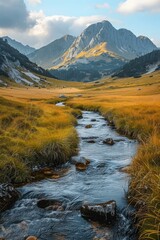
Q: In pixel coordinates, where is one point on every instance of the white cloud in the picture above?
(32, 2)
(102, 6)
(131, 6)
(49, 28)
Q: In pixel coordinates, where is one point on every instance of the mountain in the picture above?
(99, 51)
(18, 68)
(19, 46)
(51, 54)
(142, 65)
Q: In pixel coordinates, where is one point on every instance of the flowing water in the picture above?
(101, 182)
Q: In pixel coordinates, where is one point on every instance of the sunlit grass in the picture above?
(34, 135)
(134, 107)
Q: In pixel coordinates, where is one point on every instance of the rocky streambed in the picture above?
(87, 199)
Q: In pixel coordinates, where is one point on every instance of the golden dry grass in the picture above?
(132, 104)
(134, 107)
(34, 135)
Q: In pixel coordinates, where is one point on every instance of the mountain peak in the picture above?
(52, 53)
(24, 49)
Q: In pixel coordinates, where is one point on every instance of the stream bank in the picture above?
(100, 182)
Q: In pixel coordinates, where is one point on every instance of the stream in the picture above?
(100, 182)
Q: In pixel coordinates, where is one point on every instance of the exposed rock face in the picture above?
(51, 54)
(18, 68)
(99, 51)
(8, 196)
(122, 42)
(103, 212)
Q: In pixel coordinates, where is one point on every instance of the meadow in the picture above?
(35, 133)
(133, 107)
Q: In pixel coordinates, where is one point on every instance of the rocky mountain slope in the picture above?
(143, 65)
(17, 67)
(19, 46)
(99, 51)
(51, 54)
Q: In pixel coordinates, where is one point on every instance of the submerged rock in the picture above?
(91, 141)
(88, 126)
(103, 212)
(93, 120)
(8, 196)
(109, 141)
(50, 204)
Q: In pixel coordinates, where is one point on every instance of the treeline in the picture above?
(139, 65)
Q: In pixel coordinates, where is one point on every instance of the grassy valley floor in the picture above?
(36, 132)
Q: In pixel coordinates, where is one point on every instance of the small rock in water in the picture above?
(109, 141)
(8, 196)
(88, 126)
(93, 120)
(81, 163)
(81, 166)
(31, 238)
(91, 141)
(79, 117)
(103, 212)
(50, 203)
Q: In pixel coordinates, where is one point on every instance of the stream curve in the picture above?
(100, 182)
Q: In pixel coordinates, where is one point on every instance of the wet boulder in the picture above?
(8, 196)
(109, 141)
(103, 212)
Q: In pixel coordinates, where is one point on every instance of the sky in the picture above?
(39, 22)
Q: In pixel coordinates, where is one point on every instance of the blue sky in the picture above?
(50, 19)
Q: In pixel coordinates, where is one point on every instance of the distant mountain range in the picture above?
(18, 68)
(19, 46)
(142, 65)
(101, 50)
